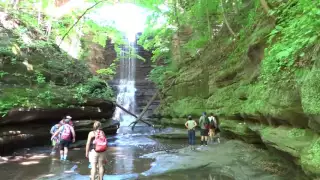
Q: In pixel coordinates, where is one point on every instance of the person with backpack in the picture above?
(63, 121)
(191, 126)
(56, 140)
(204, 128)
(217, 129)
(213, 125)
(67, 136)
(96, 147)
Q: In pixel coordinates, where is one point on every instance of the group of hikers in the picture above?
(63, 134)
(209, 129)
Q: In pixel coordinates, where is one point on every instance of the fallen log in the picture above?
(119, 106)
(148, 105)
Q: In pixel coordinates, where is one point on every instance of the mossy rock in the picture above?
(310, 158)
(240, 130)
(183, 107)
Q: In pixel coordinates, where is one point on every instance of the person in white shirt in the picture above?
(213, 126)
(191, 126)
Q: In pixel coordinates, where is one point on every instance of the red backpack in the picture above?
(100, 141)
(66, 132)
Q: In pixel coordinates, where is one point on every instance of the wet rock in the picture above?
(75, 176)
(174, 134)
(299, 145)
(233, 158)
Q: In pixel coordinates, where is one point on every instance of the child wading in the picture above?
(191, 126)
(56, 139)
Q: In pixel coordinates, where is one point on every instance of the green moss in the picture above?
(310, 159)
(310, 95)
(186, 106)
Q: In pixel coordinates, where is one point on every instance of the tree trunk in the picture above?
(65, 35)
(226, 21)
(208, 21)
(265, 6)
(119, 106)
(144, 111)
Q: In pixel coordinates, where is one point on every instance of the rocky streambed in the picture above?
(139, 156)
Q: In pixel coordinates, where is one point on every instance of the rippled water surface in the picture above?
(128, 159)
(123, 157)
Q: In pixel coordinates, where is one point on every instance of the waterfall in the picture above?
(126, 86)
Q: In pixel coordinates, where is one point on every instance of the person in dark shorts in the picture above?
(204, 128)
(66, 138)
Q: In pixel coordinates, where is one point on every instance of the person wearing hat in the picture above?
(67, 136)
(191, 126)
(67, 119)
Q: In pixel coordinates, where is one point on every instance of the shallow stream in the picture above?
(137, 156)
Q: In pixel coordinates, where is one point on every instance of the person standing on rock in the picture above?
(213, 125)
(96, 150)
(204, 128)
(67, 136)
(191, 126)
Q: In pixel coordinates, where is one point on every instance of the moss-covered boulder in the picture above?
(301, 144)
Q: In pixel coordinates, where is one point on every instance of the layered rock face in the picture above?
(256, 78)
(25, 128)
(145, 88)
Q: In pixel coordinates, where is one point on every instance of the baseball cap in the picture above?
(68, 117)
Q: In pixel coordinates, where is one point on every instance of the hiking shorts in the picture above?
(211, 132)
(95, 157)
(204, 132)
(64, 143)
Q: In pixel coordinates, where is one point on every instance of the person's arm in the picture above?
(88, 143)
(57, 132)
(51, 130)
(195, 124)
(186, 124)
(73, 134)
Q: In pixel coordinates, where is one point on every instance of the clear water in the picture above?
(126, 161)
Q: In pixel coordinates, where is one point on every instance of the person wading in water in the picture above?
(66, 138)
(191, 126)
(55, 140)
(96, 150)
(204, 128)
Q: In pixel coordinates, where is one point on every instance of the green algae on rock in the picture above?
(302, 144)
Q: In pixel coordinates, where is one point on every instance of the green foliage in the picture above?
(93, 88)
(310, 89)
(159, 74)
(186, 106)
(296, 30)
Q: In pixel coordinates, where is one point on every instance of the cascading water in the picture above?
(126, 86)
